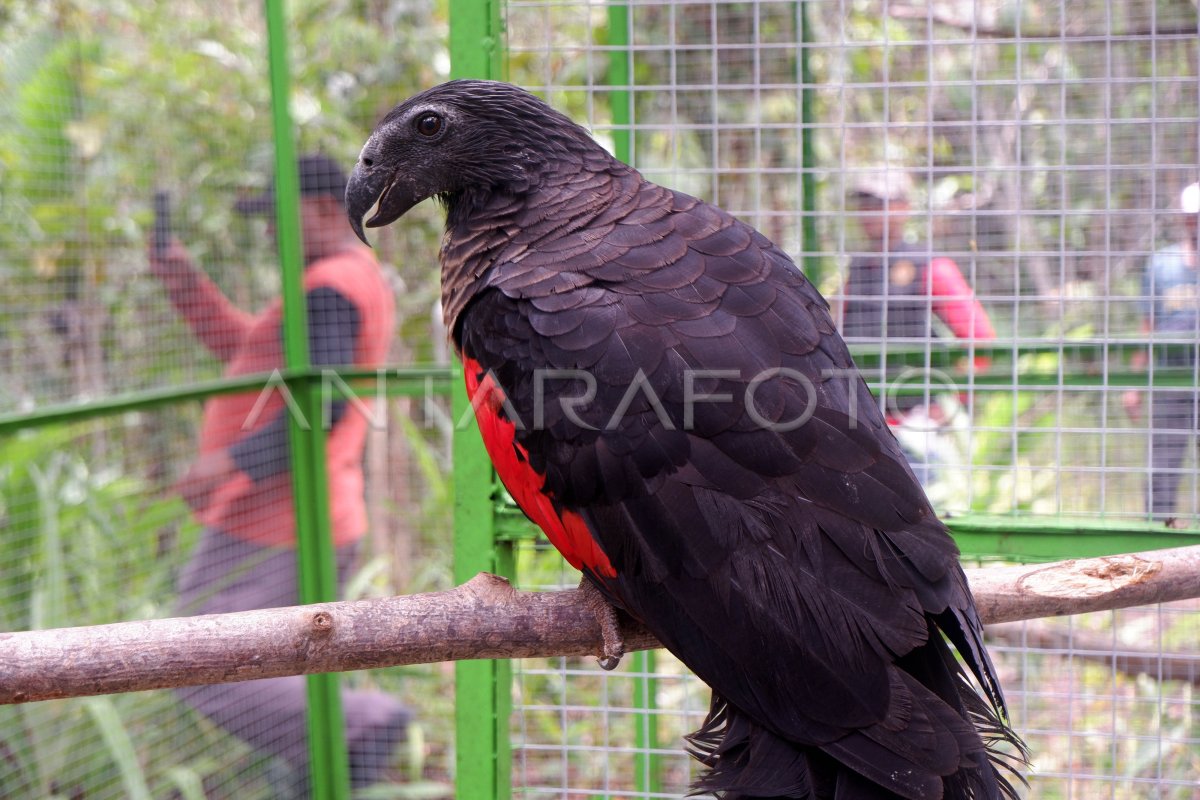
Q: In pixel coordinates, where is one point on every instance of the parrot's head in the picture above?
(458, 138)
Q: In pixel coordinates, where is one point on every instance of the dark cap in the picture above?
(318, 175)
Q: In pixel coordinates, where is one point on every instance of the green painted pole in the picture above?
(620, 94)
(401, 382)
(476, 40)
(1024, 538)
(647, 776)
(813, 268)
(317, 577)
(482, 699)
(647, 764)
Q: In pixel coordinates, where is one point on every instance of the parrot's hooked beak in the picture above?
(365, 188)
(376, 181)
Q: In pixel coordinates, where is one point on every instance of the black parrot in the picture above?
(664, 393)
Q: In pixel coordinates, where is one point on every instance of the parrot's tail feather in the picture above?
(1002, 758)
(746, 760)
(1002, 753)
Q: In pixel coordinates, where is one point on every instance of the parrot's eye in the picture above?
(429, 124)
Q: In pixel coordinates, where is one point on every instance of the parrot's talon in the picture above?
(614, 645)
(610, 627)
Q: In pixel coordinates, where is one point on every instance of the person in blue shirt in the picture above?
(1171, 312)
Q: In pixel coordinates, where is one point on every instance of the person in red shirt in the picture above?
(900, 292)
(239, 487)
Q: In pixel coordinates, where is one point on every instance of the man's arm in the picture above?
(217, 323)
(955, 303)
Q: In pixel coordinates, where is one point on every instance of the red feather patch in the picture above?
(566, 530)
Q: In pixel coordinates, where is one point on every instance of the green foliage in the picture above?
(81, 546)
(119, 746)
(101, 104)
(105, 103)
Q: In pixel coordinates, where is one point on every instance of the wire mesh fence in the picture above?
(991, 196)
(1106, 702)
(1036, 158)
(140, 287)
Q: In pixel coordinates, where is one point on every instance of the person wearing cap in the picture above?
(1170, 310)
(894, 291)
(239, 487)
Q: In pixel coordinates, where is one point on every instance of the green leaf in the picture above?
(187, 781)
(120, 746)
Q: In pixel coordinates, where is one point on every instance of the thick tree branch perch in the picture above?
(1008, 594)
(483, 618)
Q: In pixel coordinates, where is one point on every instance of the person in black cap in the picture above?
(239, 487)
(898, 290)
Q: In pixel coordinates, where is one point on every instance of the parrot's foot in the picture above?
(610, 627)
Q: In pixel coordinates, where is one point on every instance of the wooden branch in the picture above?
(1008, 594)
(483, 618)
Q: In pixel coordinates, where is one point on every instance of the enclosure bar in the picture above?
(317, 579)
(620, 94)
(981, 383)
(416, 381)
(996, 536)
(483, 688)
(647, 763)
(809, 244)
(482, 701)
(999, 348)
(134, 401)
(1165, 377)
(647, 777)
(401, 382)
(1048, 538)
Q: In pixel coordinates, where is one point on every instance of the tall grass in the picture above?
(82, 545)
